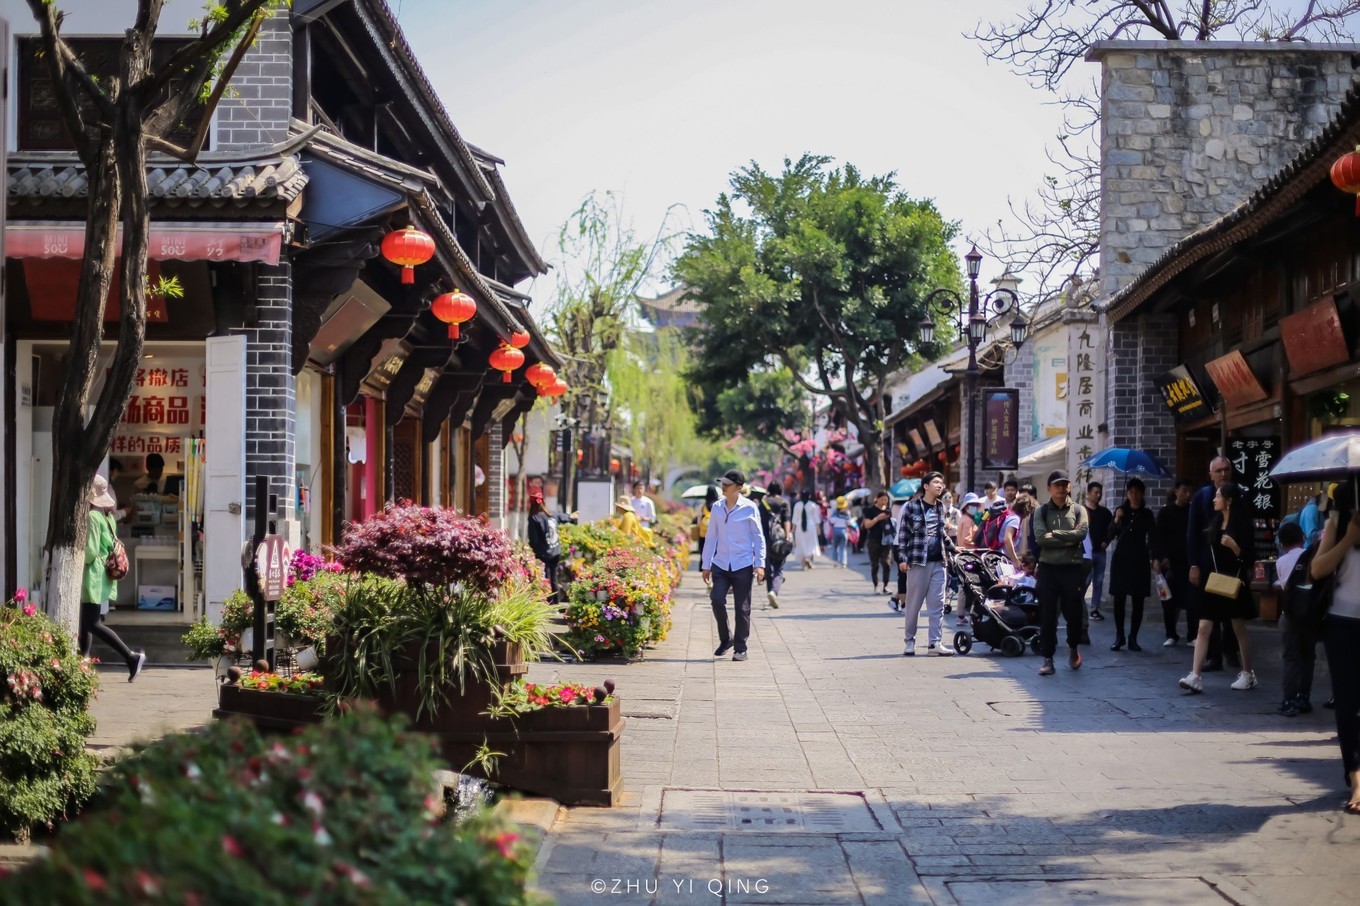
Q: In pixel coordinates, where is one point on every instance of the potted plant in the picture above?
(273, 701)
(207, 642)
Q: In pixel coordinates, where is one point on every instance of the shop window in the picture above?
(40, 124)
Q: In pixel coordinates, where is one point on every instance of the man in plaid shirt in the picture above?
(921, 537)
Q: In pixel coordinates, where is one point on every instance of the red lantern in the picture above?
(906, 471)
(1346, 175)
(407, 247)
(519, 339)
(453, 309)
(540, 376)
(557, 388)
(507, 360)
(614, 466)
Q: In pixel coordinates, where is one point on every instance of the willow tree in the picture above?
(651, 396)
(115, 122)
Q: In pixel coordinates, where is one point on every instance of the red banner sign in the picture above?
(1313, 338)
(1234, 379)
(169, 241)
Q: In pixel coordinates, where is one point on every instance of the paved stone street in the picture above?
(830, 769)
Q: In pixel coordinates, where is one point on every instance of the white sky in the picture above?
(660, 101)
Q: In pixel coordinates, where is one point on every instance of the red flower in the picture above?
(95, 881)
(232, 847)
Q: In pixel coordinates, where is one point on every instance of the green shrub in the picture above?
(307, 609)
(205, 641)
(341, 813)
(45, 692)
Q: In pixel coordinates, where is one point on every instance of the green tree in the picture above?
(1057, 231)
(651, 400)
(114, 123)
(822, 272)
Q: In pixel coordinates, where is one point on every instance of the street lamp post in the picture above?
(973, 318)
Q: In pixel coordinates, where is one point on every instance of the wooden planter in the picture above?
(269, 710)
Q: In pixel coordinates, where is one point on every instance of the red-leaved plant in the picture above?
(429, 545)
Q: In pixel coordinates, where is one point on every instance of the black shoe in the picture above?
(1329, 703)
(739, 656)
(1304, 705)
(723, 649)
(1134, 646)
(1118, 645)
(1211, 667)
(136, 664)
(1097, 615)
(1289, 707)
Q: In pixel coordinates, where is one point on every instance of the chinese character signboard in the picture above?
(1182, 395)
(1084, 394)
(271, 566)
(1000, 428)
(168, 404)
(1252, 459)
(1234, 379)
(1313, 338)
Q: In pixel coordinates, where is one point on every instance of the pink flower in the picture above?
(231, 847)
(21, 596)
(29, 610)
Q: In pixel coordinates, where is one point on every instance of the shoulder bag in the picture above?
(1222, 584)
(116, 563)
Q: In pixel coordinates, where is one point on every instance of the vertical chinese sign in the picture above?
(1000, 429)
(1252, 459)
(1085, 386)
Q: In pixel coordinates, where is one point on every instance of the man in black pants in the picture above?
(1172, 524)
(734, 557)
(1060, 528)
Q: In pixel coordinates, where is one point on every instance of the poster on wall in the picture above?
(1001, 429)
(1252, 459)
(1050, 386)
(168, 403)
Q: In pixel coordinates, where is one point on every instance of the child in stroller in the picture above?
(999, 603)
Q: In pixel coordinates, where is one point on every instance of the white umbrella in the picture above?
(697, 492)
(1329, 458)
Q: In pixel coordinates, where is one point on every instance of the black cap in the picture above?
(733, 476)
(1058, 475)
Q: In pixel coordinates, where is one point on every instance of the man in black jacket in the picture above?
(1100, 520)
(1173, 523)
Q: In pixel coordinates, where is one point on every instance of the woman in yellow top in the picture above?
(628, 522)
(96, 588)
(706, 512)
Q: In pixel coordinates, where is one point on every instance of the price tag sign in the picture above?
(271, 566)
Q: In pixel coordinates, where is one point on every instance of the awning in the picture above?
(260, 242)
(1043, 456)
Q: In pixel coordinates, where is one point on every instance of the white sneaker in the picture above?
(1169, 643)
(940, 649)
(1245, 680)
(910, 650)
(1191, 682)
(773, 599)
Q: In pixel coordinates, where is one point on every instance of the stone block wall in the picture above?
(1020, 375)
(261, 104)
(1140, 350)
(1189, 130)
(271, 389)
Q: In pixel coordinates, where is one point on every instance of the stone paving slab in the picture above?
(978, 771)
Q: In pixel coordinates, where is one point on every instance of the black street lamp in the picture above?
(973, 318)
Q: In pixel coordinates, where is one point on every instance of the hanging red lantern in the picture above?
(614, 466)
(1346, 175)
(453, 309)
(540, 375)
(519, 339)
(906, 471)
(407, 248)
(557, 388)
(506, 359)
(943, 457)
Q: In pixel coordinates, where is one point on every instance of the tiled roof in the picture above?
(238, 183)
(352, 157)
(1309, 168)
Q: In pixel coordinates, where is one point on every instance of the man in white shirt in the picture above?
(734, 557)
(646, 509)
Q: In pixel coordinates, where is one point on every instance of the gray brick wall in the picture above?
(258, 111)
(271, 389)
(1020, 375)
(1140, 350)
(1188, 130)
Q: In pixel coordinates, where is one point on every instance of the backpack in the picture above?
(992, 536)
(1307, 600)
(779, 544)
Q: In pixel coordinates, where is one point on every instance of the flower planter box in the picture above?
(569, 754)
(268, 710)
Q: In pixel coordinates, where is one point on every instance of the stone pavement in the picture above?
(830, 769)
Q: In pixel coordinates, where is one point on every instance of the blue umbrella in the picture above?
(905, 487)
(1132, 461)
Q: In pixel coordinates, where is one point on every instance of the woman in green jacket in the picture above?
(96, 588)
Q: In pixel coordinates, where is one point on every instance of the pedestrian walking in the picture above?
(98, 583)
(876, 524)
(1222, 641)
(706, 513)
(1227, 596)
(733, 559)
(1300, 620)
(1172, 523)
(969, 516)
(921, 540)
(840, 527)
(807, 524)
(1100, 517)
(778, 525)
(1060, 528)
(1338, 558)
(1133, 531)
(1013, 528)
(544, 541)
(643, 505)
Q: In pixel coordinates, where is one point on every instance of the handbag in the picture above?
(116, 564)
(1222, 584)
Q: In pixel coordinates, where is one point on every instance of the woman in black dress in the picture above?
(1232, 543)
(1135, 557)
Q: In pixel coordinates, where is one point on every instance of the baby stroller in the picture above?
(1012, 624)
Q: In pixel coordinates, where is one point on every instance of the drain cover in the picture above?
(719, 810)
(1163, 891)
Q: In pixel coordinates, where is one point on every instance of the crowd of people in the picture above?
(1196, 555)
